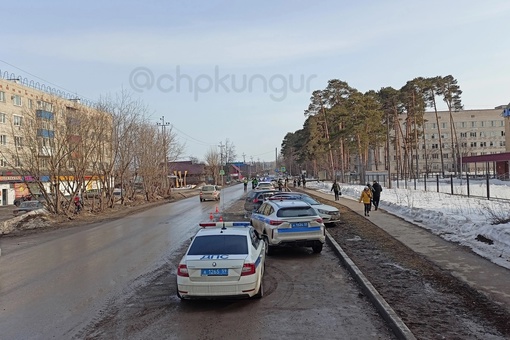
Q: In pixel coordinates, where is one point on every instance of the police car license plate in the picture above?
(215, 272)
(299, 224)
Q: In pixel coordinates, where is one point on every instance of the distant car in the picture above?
(27, 206)
(289, 223)
(328, 213)
(224, 259)
(264, 186)
(210, 193)
(255, 198)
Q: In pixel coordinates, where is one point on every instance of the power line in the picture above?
(46, 81)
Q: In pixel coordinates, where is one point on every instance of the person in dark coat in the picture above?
(376, 190)
(336, 189)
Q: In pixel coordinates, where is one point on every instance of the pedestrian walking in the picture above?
(366, 198)
(376, 189)
(372, 193)
(295, 182)
(336, 189)
(299, 182)
(304, 181)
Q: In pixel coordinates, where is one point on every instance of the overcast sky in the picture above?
(242, 71)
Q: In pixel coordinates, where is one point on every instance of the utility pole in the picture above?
(221, 161)
(163, 126)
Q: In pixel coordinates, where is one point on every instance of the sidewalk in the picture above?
(476, 271)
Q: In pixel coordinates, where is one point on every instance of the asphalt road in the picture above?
(117, 280)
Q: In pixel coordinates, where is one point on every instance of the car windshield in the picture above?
(219, 245)
(309, 200)
(208, 188)
(296, 212)
(29, 204)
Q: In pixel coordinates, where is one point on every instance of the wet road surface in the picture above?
(104, 279)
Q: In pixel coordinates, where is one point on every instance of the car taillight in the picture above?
(255, 200)
(275, 222)
(319, 220)
(248, 269)
(182, 270)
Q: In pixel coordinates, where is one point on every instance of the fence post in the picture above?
(437, 183)
(467, 182)
(425, 182)
(451, 184)
(487, 181)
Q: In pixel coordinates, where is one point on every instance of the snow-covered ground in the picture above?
(454, 218)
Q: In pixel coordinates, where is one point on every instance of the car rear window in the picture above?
(208, 188)
(296, 212)
(219, 245)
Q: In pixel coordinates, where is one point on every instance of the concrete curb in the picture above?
(398, 327)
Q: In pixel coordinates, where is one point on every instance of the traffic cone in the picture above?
(211, 217)
(217, 211)
(221, 219)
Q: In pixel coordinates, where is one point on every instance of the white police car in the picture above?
(224, 259)
(328, 213)
(289, 223)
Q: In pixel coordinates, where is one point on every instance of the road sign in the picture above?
(283, 169)
(222, 172)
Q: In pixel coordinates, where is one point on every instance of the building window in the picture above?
(30, 103)
(502, 143)
(18, 120)
(473, 144)
(463, 134)
(443, 126)
(445, 156)
(502, 133)
(435, 156)
(3, 139)
(472, 134)
(473, 124)
(491, 143)
(3, 162)
(2, 117)
(16, 100)
(17, 162)
(18, 141)
(483, 144)
(2, 96)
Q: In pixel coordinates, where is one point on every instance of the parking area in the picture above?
(6, 212)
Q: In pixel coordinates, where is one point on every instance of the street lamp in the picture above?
(163, 126)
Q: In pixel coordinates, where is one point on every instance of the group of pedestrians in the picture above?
(371, 194)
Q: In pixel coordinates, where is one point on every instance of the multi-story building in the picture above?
(475, 132)
(38, 126)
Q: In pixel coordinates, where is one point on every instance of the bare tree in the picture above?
(212, 158)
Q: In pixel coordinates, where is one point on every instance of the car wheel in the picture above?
(180, 296)
(269, 249)
(317, 248)
(260, 293)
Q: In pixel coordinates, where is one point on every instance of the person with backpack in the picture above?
(366, 198)
(336, 189)
(376, 190)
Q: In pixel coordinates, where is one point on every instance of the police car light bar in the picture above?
(224, 224)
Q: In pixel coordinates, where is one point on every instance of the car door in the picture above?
(257, 219)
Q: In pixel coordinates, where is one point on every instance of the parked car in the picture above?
(264, 186)
(27, 206)
(329, 214)
(289, 223)
(224, 259)
(210, 193)
(255, 198)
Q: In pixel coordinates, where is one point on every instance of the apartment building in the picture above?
(476, 132)
(36, 122)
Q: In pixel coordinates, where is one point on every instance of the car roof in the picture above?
(288, 203)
